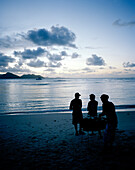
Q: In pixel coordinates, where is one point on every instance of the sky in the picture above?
(68, 38)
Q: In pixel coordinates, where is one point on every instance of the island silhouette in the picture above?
(9, 75)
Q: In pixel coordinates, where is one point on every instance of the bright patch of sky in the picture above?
(68, 38)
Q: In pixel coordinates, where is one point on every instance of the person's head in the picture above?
(77, 95)
(104, 98)
(92, 97)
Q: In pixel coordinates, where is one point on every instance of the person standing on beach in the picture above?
(92, 109)
(109, 110)
(76, 106)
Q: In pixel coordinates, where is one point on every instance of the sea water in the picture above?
(50, 95)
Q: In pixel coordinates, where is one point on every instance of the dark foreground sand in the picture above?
(48, 142)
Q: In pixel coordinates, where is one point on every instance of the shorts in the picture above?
(76, 118)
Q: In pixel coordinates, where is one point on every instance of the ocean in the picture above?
(53, 95)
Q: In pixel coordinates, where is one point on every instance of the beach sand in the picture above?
(48, 141)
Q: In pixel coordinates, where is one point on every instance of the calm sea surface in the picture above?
(54, 95)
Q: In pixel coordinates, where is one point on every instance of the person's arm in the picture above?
(81, 103)
(103, 112)
(71, 106)
(112, 107)
(97, 105)
(88, 107)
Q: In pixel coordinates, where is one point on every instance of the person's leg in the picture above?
(75, 125)
(80, 130)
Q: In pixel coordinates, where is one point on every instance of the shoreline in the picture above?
(118, 108)
(126, 119)
(59, 112)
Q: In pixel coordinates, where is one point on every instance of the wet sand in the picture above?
(49, 142)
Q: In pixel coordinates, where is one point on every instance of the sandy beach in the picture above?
(48, 141)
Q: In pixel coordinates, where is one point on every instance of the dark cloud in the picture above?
(61, 36)
(20, 62)
(64, 53)
(4, 60)
(75, 55)
(55, 57)
(30, 54)
(34, 54)
(118, 22)
(128, 64)
(95, 60)
(37, 63)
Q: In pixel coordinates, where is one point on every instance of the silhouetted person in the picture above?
(92, 106)
(92, 109)
(109, 110)
(76, 106)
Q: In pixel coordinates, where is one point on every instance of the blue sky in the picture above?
(68, 38)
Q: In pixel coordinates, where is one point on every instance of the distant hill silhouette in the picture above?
(31, 76)
(13, 76)
(9, 76)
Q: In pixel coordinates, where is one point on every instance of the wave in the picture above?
(37, 112)
(124, 106)
(59, 80)
(36, 84)
(118, 107)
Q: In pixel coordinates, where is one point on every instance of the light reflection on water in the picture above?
(56, 94)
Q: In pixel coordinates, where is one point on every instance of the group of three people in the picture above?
(108, 109)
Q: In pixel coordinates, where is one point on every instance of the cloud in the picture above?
(30, 54)
(128, 64)
(6, 42)
(92, 48)
(34, 54)
(14, 41)
(64, 53)
(101, 68)
(56, 64)
(88, 70)
(37, 63)
(118, 22)
(60, 36)
(20, 62)
(116, 72)
(110, 67)
(55, 57)
(14, 69)
(50, 70)
(4, 60)
(95, 60)
(127, 70)
(75, 55)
